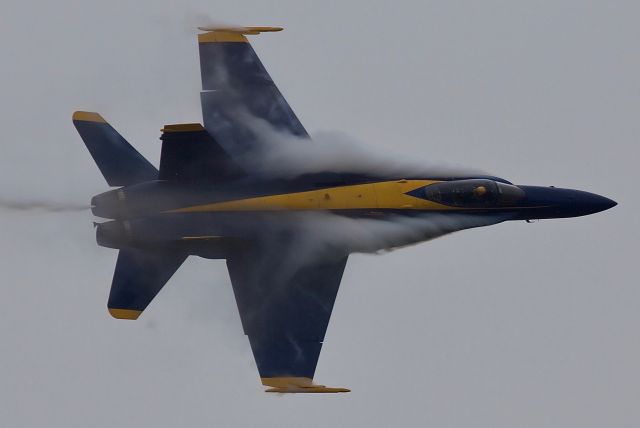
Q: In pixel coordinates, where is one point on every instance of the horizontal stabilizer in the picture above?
(139, 276)
(119, 162)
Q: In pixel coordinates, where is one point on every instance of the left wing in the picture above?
(285, 307)
(241, 106)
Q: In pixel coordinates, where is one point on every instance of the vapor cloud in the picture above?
(281, 154)
(322, 234)
(311, 237)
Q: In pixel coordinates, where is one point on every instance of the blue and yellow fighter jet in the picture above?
(203, 201)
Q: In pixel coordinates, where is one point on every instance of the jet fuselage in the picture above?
(206, 219)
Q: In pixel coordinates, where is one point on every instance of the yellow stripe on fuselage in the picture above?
(381, 195)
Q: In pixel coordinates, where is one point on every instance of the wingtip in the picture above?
(240, 30)
(297, 385)
(308, 390)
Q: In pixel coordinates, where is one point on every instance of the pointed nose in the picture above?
(552, 202)
(593, 203)
(576, 203)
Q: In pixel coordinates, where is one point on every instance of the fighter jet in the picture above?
(207, 200)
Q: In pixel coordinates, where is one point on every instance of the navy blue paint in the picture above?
(237, 94)
(140, 275)
(553, 202)
(119, 162)
(195, 156)
(284, 304)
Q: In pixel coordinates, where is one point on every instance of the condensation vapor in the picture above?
(323, 236)
(337, 234)
(281, 154)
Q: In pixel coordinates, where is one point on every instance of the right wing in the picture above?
(285, 308)
(241, 106)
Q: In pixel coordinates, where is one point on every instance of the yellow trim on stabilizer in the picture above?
(297, 385)
(221, 36)
(231, 34)
(183, 127)
(124, 314)
(286, 381)
(381, 195)
(88, 116)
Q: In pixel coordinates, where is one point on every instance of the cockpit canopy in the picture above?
(476, 193)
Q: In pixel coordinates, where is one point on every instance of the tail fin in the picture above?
(190, 153)
(119, 162)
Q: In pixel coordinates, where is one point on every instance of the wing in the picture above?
(241, 105)
(285, 307)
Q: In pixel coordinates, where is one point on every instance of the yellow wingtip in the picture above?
(241, 30)
(124, 314)
(308, 390)
(294, 385)
(88, 116)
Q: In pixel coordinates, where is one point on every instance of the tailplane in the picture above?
(139, 276)
(119, 162)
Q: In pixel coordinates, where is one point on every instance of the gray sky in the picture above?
(515, 325)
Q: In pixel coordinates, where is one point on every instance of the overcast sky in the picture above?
(514, 325)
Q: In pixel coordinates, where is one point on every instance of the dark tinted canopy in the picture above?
(473, 193)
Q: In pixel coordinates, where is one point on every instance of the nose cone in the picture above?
(551, 202)
(590, 203)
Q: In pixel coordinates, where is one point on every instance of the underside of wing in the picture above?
(285, 306)
(241, 105)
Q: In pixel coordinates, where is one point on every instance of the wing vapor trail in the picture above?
(329, 236)
(283, 155)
